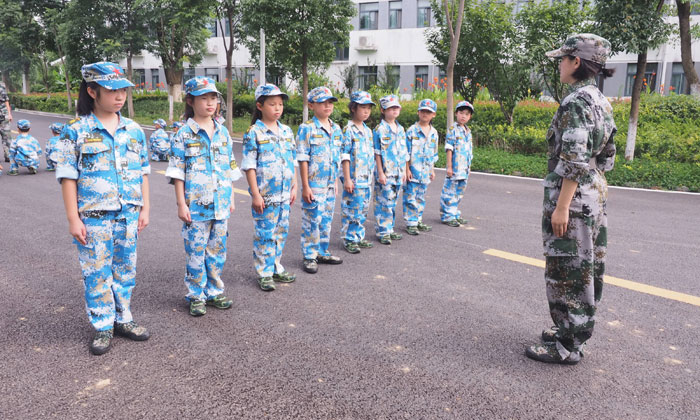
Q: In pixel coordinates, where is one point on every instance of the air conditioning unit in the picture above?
(366, 43)
(213, 49)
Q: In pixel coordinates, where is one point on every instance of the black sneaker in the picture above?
(550, 335)
(102, 342)
(310, 266)
(132, 331)
(548, 353)
(329, 259)
(32, 171)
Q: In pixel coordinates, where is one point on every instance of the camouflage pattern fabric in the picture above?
(423, 154)
(414, 202)
(52, 152)
(354, 208)
(587, 46)
(359, 151)
(205, 246)
(108, 263)
(385, 197)
(159, 145)
(581, 148)
(269, 238)
(316, 219)
(24, 151)
(459, 139)
(391, 146)
(451, 196)
(4, 122)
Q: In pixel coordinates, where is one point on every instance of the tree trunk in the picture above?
(174, 79)
(129, 91)
(6, 80)
(305, 86)
(686, 46)
(454, 44)
(634, 106)
(229, 96)
(25, 79)
(65, 69)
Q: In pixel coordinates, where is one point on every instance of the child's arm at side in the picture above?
(183, 211)
(258, 202)
(76, 227)
(381, 176)
(303, 149)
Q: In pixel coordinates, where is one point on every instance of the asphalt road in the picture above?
(429, 327)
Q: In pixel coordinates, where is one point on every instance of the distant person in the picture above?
(422, 146)
(458, 161)
(5, 120)
(103, 171)
(159, 142)
(51, 146)
(202, 168)
(574, 218)
(24, 150)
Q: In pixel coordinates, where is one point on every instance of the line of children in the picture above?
(24, 150)
(51, 146)
(103, 168)
(318, 152)
(159, 142)
(458, 151)
(357, 158)
(202, 168)
(270, 161)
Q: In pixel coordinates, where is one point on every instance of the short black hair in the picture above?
(588, 69)
(25, 130)
(85, 102)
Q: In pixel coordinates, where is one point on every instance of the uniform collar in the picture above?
(388, 127)
(318, 124)
(95, 123)
(582, 83)
(261, 125)
(192, 124)
(357, 129)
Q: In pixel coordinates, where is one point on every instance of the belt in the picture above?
(552, 163)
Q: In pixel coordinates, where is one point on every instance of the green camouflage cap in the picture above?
(586, 46)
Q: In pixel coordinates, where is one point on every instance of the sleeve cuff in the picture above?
(377, 152)
(174, 173)
(236, 175)
(146, 170)
(448, 146)
(344, 157)
(575, 171)
(67, 173)
(249, 163)
(302, 157)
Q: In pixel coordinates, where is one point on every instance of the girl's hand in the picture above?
(293, 194)
(77, 230)
(349, 185)
(183, 212)
(233, 206)
(381, 179)
(307, 195)
(432, 174)
(449, 172)
(409, 176)
(144, 219)
(560, 221)
(258, 203)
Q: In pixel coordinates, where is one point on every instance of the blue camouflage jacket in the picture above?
(391, 146)
(358, 149)
(25, 148)
(160, 142)
(322, 150)
(208, 169)
(422, 152)
(459, 140)
(109, 169)
(273, 156)
(52, 148)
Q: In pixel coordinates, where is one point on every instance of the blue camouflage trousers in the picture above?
(108, 263)
(385, 197)
(50, 164)
(158, 156)
(205, 245)
(6, 138)
(452, 192)
(271, 228)
(354, 208)
(21, 160)
(316, 219)
(414, 202)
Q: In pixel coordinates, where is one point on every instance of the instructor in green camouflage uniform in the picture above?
(5, 119)
(574, 221)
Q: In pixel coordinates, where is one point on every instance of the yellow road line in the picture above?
(237, 190)
(627, 284)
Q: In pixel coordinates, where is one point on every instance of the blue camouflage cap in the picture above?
(427, 105)
(200, 85)
(161, 122)
(362, 98)
(269, 89)
(56, 127)
(320, 94)
(106, 74)
(464, 104)
(178, 124)
(389, 101)
(23, 124)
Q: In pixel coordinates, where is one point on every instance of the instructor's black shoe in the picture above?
(550, 335)
(310, 266)
(548, 353)
(329, 259)
(102, 342)
(132, 331)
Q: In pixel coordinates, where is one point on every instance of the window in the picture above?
(188, 74)
(423, 13)
(212, 26)
(392, 76)
(213, 73)
(421, 77)
(341, 53)
(155, 78)
(275, 76)
(139, 77)
(394, 14)
(369, 13)
(649, 77)
(227, 31)
(366, 77)
(678, 82)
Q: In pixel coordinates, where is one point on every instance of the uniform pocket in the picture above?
(560, 247)
(133, 155)
(195, 159)
(95, 157)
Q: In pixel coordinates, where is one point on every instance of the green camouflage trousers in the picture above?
(6, 139)
(575, 263)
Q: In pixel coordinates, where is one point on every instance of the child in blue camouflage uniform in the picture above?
(318, 153)
(458, 151)
(202, 168)
(421, 144)
(51, 146)
(24, 150)
(159, 141)
(390, 171)
(269, 160)
(102, 165)
(357, 158)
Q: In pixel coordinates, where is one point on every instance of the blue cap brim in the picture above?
(114, 84)
(202, 91)
(426, 108)
(325, 98)
(365, 103)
